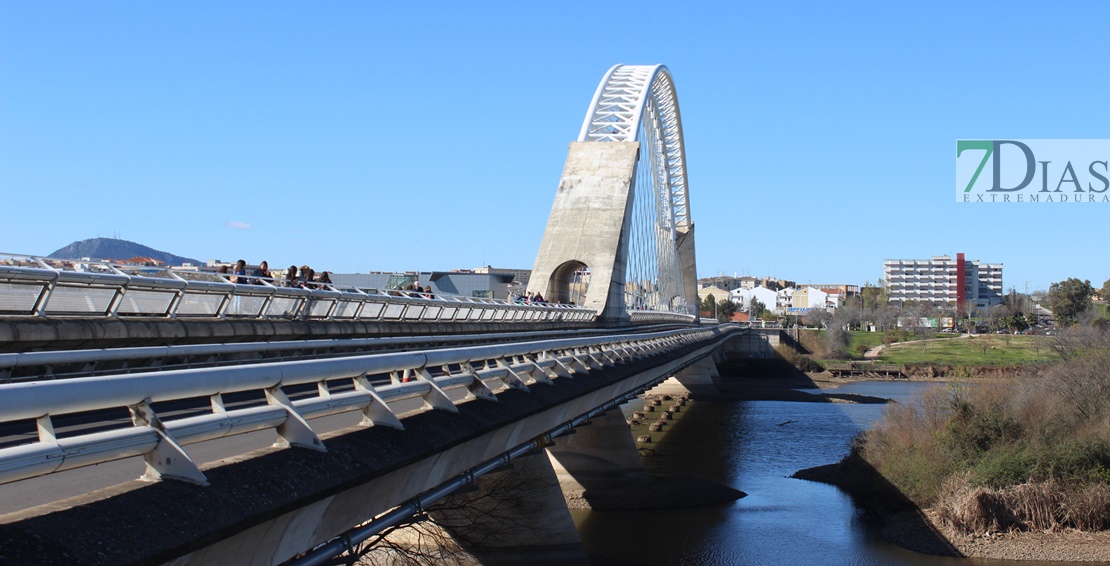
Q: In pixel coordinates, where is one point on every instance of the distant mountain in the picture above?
(110, 248)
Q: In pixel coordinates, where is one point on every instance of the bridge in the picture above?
(151, 416)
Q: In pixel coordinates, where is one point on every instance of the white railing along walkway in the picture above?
(37, 286)
(480, 370)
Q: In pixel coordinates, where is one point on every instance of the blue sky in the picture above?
(357, 136)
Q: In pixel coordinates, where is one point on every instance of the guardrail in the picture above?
(427, 376)
(643, 317)
(67, 364)
(38, 286)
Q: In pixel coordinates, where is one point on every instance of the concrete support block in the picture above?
(688, 265)
(700, 377)
(755, 343)
(589, 227)
(597, 454)
(514, 516)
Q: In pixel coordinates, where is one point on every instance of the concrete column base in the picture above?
(597, 457)
(515, 516)
(701, 377)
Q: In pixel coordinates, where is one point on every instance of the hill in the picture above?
(110, 248)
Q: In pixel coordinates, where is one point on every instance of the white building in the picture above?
(944, 280)
(764, 295)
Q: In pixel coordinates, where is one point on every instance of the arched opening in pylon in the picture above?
(569, 283)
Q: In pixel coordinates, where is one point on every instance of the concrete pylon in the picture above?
(588, 227)
(699, 377)
(688, 264)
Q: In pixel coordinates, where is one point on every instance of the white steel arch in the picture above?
(620, 229)
(637, 101)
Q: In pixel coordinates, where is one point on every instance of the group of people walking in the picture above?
(529, 298)
(303, 277)
(425, 292)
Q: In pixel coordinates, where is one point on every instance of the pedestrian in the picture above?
(239, 274)
(263, 272)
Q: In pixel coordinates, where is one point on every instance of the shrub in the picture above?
(901, 448)
(1082, 459)
(1034, 453)
(895, 335)
(1004, 466)
(1046, 506)
(800, 361)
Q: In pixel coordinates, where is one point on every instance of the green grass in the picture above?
(863, 341)
(977, 350)
(867, 339)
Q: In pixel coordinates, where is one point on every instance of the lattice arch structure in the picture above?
(622, 212)
(638, 103)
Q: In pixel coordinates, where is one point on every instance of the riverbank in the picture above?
(903, 523)
(922, 530)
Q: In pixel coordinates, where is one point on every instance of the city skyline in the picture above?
(820, 139)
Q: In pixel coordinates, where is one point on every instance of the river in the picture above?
(754, 446)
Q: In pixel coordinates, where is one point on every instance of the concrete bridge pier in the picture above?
(598, 457)
(513, 516)
(700, 377)
(755, 343)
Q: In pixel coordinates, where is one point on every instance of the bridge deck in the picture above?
(143, 522)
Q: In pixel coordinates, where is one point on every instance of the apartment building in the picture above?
(944, 280)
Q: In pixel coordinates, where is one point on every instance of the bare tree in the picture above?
(1083, 379)
(816, 317)
(454, 529)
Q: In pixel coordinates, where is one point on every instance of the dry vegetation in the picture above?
(1030, 454)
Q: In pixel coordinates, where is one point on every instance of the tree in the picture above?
(1069, 298)
(725, 310)
(873, 297)
(1104, 293)
(816, 317)
(885, 317)
(708, 303)
(756, 308)
(1014, 322)
(837, 337)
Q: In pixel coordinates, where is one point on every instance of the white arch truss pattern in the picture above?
(638, 103)
(631, 101)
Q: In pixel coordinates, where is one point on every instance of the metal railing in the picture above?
(38, 286)
(645, 317)
(67, 364)
(340, 385)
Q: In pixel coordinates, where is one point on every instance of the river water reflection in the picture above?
(754, 446)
